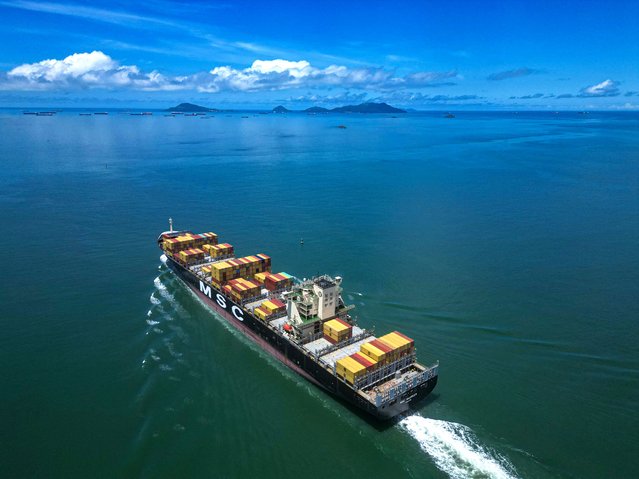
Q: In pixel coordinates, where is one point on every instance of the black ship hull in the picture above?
(290, 354)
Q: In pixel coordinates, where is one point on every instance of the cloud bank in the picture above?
(398, 96)
(534, 96)
(83, 70)
(99, 70)
(606, 88)
(519, 72)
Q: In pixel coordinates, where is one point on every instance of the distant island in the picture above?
(190, 108)
(361, 108)
(368, 108)
(316, 109)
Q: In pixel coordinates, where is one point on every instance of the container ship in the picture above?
(305, 324)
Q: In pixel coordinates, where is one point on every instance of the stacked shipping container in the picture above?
(218, 250)
(211, 238)
(191, 256)
(270, 308)
(378, 352)
(349, 369)
(206, 269)
(400, 344)
(365, 361)
(241, 289)
(246, 267)
(189, 241)
(260, 277)
(278, 282)
(336, 331)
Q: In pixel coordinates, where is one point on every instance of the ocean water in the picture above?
(505, 244)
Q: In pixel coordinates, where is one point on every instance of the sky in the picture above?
(421, 54)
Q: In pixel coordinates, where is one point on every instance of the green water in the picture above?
(505, 245)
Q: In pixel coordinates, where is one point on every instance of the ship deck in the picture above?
(318, 345)
(384, 389)
(331, 358)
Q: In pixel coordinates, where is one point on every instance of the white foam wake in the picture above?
(167, 296)
(158, 284)
(455, 450)
(163, 258)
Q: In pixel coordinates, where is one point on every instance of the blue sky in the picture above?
(248, 54)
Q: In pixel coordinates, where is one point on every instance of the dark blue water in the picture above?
(505, 244)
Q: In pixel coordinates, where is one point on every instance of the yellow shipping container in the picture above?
(269, 305)
(218, 269)
(373, 352)
(335, 325)
(349, 369)
(260, 313)
(211, 238)
(392, 342)
(336, 331)
(399, 343)
(408, 342)
(395, 350)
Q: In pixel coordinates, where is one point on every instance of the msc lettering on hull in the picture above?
(221, 300)
(205, 288)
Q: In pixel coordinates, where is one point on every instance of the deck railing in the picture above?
(411, 381)
(334, 347)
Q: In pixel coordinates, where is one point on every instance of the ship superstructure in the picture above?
(303, 323)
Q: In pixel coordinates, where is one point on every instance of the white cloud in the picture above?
(605, 88)
(339, 98)
(98, 70)
(85, 70)
(73, 66)
(282, 74)
(295, 69)
(418, 98)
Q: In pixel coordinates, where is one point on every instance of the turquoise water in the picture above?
(505, 244)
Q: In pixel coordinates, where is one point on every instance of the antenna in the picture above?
(170, 225)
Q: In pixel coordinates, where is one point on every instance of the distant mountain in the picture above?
(190, 108)
(362, 108)
(368, 108)
(316, 109)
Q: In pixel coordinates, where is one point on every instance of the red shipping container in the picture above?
(363, 360)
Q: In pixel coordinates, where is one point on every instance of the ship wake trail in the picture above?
(166, 296)
(455, 449)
